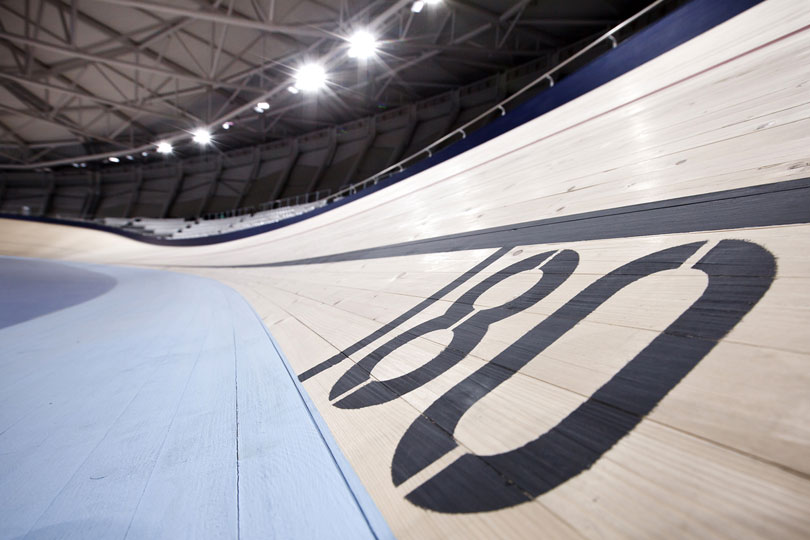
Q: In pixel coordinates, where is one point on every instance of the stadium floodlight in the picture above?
(362, 45)
(164, 147)
(263, 105)
(113, 159)
(310, 77)
(227, 125)
(416, 7)
(293, 89)
(201, 136)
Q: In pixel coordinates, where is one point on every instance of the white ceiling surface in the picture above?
(84, 76)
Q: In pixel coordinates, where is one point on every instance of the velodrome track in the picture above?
(594, 325)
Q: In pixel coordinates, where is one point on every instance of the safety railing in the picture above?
(295, 200)
(500, 107)
(429, 150)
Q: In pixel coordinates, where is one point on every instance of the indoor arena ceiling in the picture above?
(82, 79)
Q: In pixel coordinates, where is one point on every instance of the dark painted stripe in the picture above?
(683, 24)
(783, 203)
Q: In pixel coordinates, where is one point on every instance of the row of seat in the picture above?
(181, 228)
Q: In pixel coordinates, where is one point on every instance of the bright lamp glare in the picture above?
(310, 77)
(263, 105)
(201, 136)
(164, 148)
(362, 45)
(416, 7)
(113, 159)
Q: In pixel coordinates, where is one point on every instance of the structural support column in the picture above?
(136, 191)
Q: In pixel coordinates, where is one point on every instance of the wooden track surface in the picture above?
(674, 404)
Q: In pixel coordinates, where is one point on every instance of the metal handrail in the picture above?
(399, 166)
(501, 105)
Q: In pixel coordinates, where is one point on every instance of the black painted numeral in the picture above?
(739, 273)
(466, 336)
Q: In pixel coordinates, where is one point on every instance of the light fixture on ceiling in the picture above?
(263, 105)
(310, 77)
(416, 7)
(164, 147)
(227, 125)
(362, 45)
(201, 136)
(293, 89)
(113, 159)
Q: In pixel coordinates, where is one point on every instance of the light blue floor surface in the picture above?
(145, 404)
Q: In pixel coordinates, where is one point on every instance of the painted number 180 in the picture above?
(739, 273)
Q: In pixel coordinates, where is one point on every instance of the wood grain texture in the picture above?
(394, 277)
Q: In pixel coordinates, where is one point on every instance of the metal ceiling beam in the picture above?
(496, 19)
(164, 29)
(62, 122)
(52, 144)
(176, 32)
(518, 9)
(12, 158)
(217, 17)
(383, 17)
(430, 54)
(75, 63)
(62, 49)
(220, 44)
(183, 113)
(393, 71)
(83, 95)
(179, 31)
(72, 83)
(243, 75)
(20, 141)
(137, 48)
(66, 65)
(332, 59)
